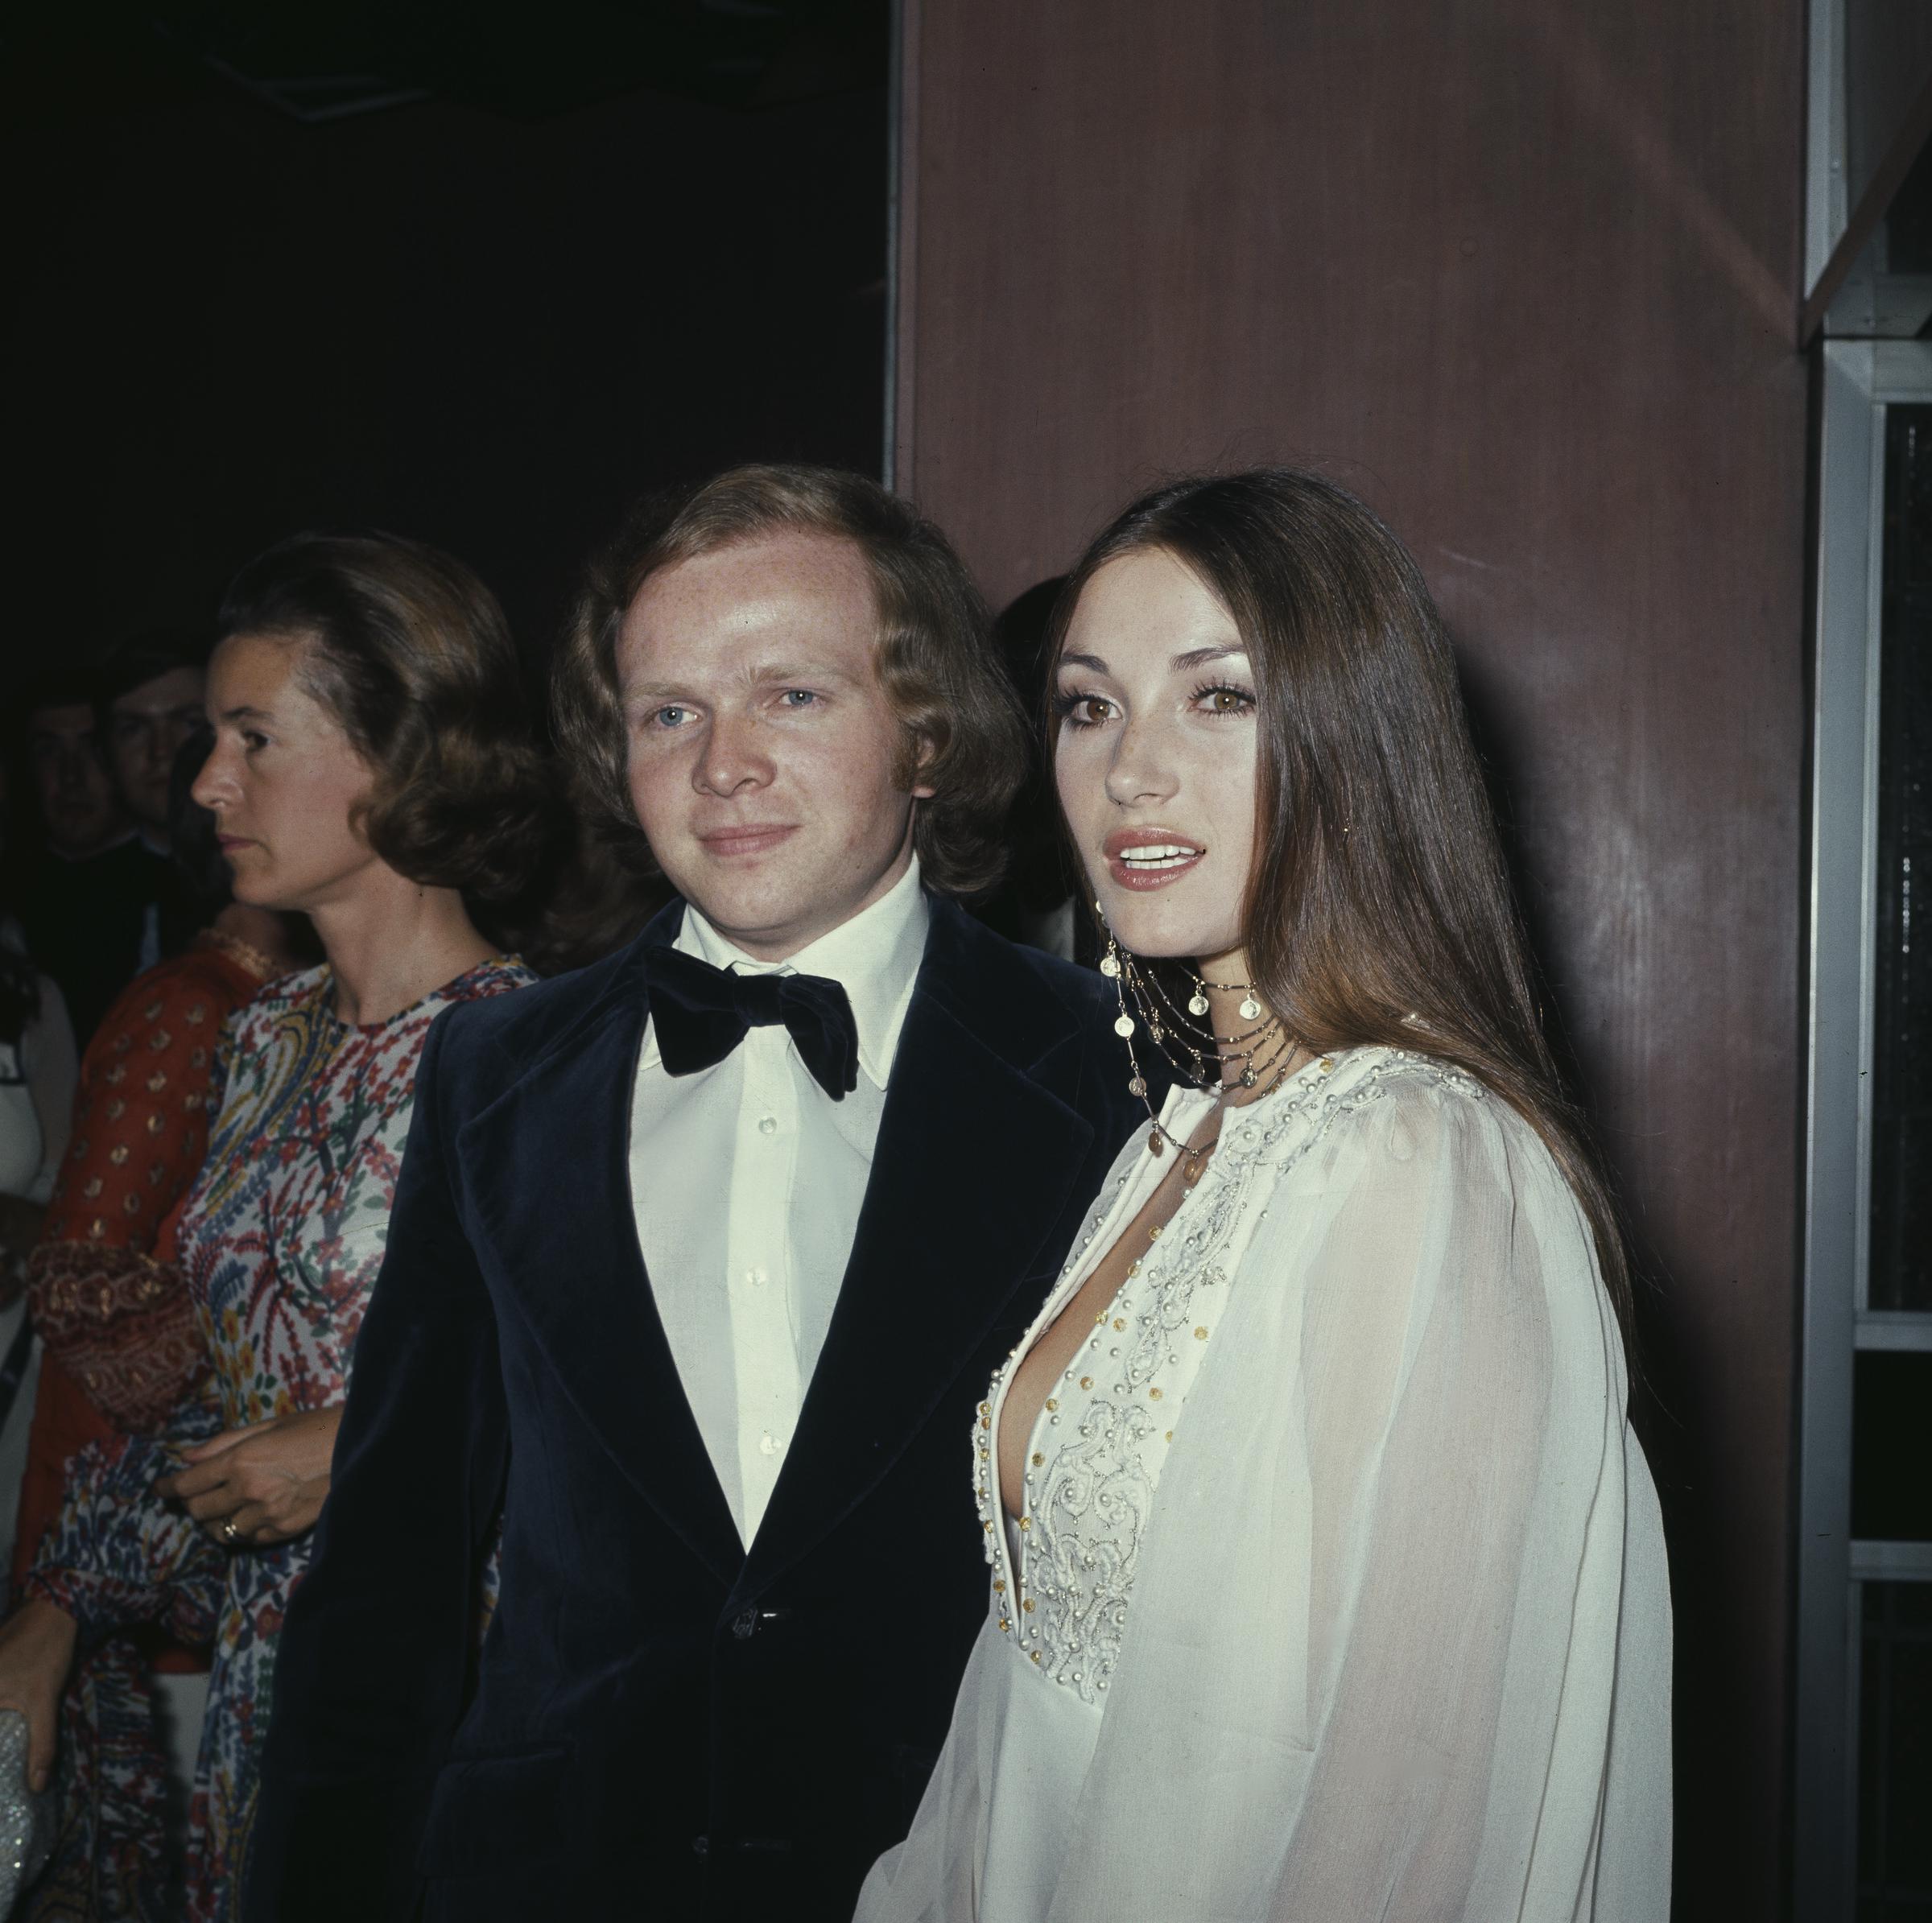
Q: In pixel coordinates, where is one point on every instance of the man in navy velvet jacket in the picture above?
(700, 1261)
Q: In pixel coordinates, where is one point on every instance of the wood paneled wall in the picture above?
(1524, 273)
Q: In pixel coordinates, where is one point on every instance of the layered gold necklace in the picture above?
(1257, 1056)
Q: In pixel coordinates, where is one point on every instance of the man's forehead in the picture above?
(177, 687)
(733, 605)
(68, 720)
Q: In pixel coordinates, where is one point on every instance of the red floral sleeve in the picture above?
(141, 1116)
(108, 1308)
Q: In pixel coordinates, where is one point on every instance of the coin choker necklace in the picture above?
(1185, 1035)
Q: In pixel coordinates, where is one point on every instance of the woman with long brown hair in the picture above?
(1327, 1575)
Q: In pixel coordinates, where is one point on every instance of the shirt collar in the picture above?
(874, 957)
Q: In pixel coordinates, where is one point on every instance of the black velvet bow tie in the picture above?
(702, 1013)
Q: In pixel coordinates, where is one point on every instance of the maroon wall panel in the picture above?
(1525, 275)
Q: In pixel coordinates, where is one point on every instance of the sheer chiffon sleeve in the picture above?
(1427, 1377)
(1376, 1642)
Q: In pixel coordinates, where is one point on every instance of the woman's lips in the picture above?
(744, 840)
(1142, 862)
(228, 844)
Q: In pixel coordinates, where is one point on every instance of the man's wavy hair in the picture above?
(963, 732)
(410, 652)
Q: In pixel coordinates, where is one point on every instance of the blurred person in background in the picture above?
(80, 811)
(121, 1350)
(149, 700)
(148, 697)
(98, 896)
(374, 768)
(78, 878)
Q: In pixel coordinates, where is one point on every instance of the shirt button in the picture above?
(768, 1443)
(700, 1845)
(756, 1277)
(768, 1124)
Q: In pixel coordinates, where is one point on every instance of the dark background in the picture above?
(587, 251)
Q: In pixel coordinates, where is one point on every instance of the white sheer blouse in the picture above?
(1364, 1587)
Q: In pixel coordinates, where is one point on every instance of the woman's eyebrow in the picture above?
(1091, 662)
(1199, 657)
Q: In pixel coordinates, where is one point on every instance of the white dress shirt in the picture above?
(747, 1179)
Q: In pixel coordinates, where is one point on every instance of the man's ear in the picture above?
(924, 754)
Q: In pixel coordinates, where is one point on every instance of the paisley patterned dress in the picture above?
(280, 1240)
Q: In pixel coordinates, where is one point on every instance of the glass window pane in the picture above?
(1888, 57)
(1895, 1753)
(1902, 1068)
(1892, 1447)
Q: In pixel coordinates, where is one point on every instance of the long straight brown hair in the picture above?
(1379, 909)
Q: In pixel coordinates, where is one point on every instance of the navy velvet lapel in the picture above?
(972, 1170)
(547, 1167)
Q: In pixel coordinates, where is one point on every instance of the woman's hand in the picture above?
(36, 1652)
(260, 1484)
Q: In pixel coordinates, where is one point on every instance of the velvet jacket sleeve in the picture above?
(371, 1672)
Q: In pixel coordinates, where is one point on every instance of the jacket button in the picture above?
(700, 1845)
(745, 1623)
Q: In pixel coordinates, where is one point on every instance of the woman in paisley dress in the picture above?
(371, 768)
(1328, 1580)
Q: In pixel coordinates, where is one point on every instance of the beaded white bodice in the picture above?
(1094, 1455)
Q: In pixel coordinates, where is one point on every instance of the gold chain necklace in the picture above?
(1264, 1050)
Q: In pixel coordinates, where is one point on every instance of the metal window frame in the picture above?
(1861, 379)
(1825, 205)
